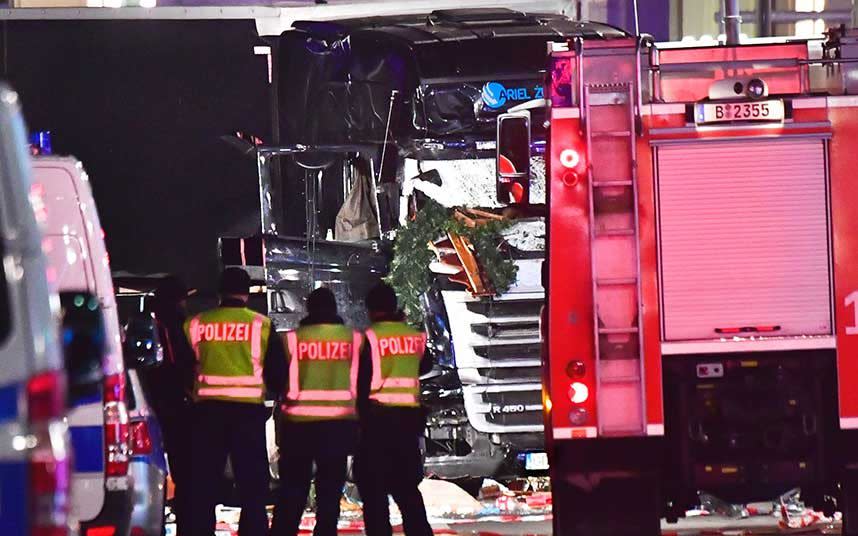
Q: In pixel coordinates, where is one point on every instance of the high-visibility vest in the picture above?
(397, 349)
(230, 344)
(323, 372)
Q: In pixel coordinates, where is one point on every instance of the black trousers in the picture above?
(389, 463)
(237, 430)
(327, 444)
(177, 442)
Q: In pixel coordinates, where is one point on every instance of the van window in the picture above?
(65, 230)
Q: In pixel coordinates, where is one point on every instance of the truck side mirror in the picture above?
(142, 347)
(84, 341)
(513, 158)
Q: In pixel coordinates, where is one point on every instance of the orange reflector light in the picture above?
(578, 393)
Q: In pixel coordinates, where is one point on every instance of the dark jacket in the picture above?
(376, 418)
(169, 384)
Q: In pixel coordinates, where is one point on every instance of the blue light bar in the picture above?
(41, 142)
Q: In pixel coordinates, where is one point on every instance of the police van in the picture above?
(77, 259)
(34, 450)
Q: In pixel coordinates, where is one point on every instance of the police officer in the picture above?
(388, 461)
(238, 356)
(169, 386)
(319, 415)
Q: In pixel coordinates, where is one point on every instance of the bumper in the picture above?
(491, 455)
(116, 512)
(148, 498)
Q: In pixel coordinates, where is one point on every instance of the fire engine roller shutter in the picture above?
(744, 237)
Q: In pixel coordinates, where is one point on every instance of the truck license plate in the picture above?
(536, 461)
(722, 112)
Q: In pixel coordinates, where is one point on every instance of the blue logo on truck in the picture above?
(495, 95)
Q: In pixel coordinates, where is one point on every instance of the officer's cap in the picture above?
(171, 289)
(382, 299)
(321, 302)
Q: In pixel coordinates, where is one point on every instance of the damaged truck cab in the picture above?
(377, 116)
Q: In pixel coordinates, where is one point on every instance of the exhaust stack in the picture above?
(732, 21)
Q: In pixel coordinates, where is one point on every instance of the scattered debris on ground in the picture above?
(452, 510)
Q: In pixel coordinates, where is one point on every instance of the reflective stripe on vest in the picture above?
(394, 399)
(322, 395)
(396, 353)
(229, 380)
(228, 343)
(333, 394)
(229, 392)
(320, 411)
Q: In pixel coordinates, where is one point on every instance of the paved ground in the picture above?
(696, 527)
(759, 527)
(455, 513)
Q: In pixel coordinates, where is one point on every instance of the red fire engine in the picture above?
(702, 277)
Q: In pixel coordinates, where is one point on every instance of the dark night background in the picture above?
(142, 105)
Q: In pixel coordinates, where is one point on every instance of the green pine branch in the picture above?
(410, 275)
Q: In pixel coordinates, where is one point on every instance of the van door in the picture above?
(70, 261)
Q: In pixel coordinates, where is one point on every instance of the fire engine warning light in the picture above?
(570, 158)
(578, 416)
(578, 393)
(576, 369)
(40, 143)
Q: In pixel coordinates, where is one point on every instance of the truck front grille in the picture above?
(511, 374)
(497, 347)
(499, 350)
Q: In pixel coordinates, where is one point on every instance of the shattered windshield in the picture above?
(466, 182)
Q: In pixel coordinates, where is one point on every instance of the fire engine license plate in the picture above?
(721, 112)
(536, 461)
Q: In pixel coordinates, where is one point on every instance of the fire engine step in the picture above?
(610, 134)
(616, 281)
(619, 379)
(610, 184)
(614, 331)
(615, 232)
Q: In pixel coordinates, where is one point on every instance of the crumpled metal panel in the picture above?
(295, 267)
